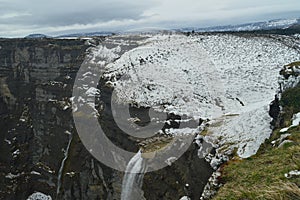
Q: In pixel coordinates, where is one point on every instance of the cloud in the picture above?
(60, 13)
(19, 17)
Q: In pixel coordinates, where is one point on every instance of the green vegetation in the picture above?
(263, 176)
(157, 144)
(290, 101)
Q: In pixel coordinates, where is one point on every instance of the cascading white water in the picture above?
(66, 154)
(133, 178)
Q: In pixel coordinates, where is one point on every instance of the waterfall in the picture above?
(66, 153)
(133, 178)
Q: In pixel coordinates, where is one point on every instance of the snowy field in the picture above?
(227, 79)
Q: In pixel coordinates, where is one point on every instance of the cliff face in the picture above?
(40, 149)
(36, 84)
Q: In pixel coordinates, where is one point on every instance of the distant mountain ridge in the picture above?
(37, 36)
(92, 34)
(72, 35)
(267, 25)
(255, 26)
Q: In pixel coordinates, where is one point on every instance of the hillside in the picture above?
(178, 105)
(276, 173)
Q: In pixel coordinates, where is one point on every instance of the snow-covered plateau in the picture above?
(228, 79)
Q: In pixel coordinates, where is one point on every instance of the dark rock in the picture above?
(274, 110)
(170, 182)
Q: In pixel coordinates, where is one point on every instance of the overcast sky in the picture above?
(53, 17)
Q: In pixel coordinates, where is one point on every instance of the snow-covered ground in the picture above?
(169, 73)
(39, 196)
(282, 23)
(249, 67)
(295, 122)
(228, 79)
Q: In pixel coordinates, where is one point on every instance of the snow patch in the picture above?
(39, 196)
(185, 198)
(295, 122)
(291, 174)
(35, 173)
(91, 92)
(13, 176)
(170, 160)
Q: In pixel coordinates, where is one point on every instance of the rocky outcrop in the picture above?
(274, 111)
(185, 177)
(288, 84)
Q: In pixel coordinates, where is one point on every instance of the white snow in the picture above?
(12, 176)
(16, 153)
(91, 92)
(249, 70)
(87, 73)
(182, 131)
(283, 137)
(284, 130)
(170, 160)
(176, 73)
(295, 122)
(283, 22)
(205, 77)
(35, 173)
(7, 141)
(71, 174)
(66, 107)
(39, 196)
(284, 143)
(292, 174)
(185, 198)
(105, 54)
(68, 132)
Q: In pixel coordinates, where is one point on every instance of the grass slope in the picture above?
(263, 176)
